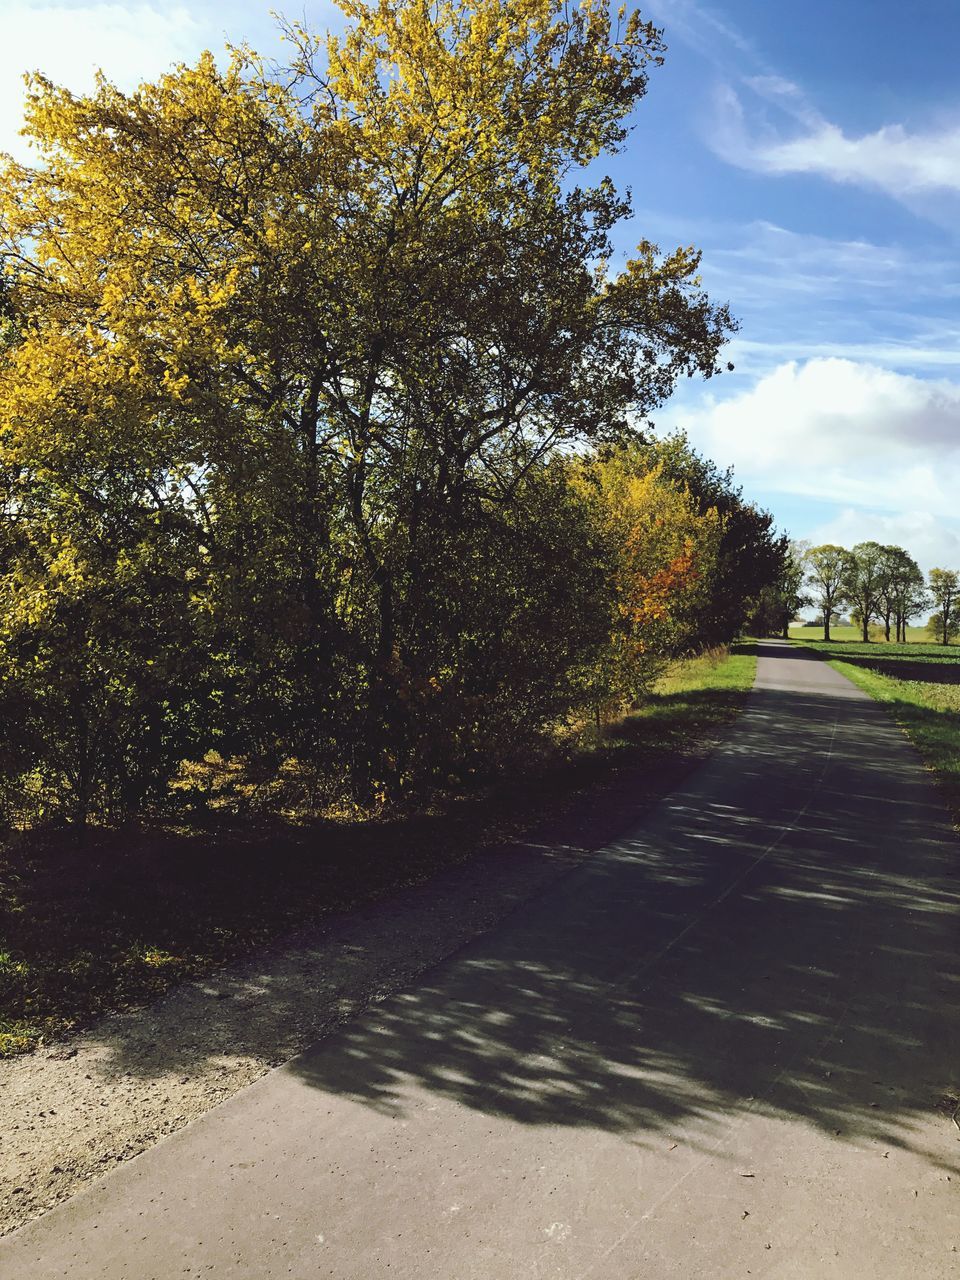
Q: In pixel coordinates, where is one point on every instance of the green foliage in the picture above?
(936, 630)
(102, 679)
(945, 594)
(751, 556)
(292, 366)
(779, 601)
(827, 567)
(863, 583)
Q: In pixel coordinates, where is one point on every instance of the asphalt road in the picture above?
(722, 1047)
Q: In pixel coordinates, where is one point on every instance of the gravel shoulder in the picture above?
(71, 1111)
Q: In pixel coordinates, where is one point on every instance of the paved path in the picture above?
(718, 1049)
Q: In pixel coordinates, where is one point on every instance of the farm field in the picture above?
(920, 683)
(915, 635)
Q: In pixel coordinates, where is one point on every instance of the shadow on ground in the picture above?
(926, 664)
(781, 934)
(731, 957)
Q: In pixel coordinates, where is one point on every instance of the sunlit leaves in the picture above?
(316, 337)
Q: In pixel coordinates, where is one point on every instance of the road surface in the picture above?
(725, 1046)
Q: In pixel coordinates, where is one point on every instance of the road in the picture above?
(724, 1046)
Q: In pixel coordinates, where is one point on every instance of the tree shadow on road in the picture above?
(780, 935)
(720, 961)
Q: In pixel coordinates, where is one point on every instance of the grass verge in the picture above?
(113, 922)
(920, 684)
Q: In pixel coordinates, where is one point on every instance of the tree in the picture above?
(944, 591)
(863, 582)
(779, 602)
(827, 567)
(885, 604)
(751, 556)
(342, 318)
(902, 591)
(663, 551)
(934, 628)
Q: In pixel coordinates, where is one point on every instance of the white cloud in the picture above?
(898, 162)
(905, 165)
(934, 351)
(840, 431)
(929, 540)
(913, 167)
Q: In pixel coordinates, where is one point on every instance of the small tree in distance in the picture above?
(905, 590)
(945, 590)
(863, 582)
(827, 567)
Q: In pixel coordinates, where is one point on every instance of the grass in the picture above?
(915, 635)
(920, 684)
(113, 922)
(720, 673)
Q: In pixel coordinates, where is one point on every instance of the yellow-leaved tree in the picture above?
(663, 549)
(334, 321)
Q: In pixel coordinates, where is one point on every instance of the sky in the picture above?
(811, 149)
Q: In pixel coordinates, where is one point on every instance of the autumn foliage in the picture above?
(322, 412)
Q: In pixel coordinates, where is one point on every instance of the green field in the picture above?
(920, 684)
(915, 635)
(113, 923)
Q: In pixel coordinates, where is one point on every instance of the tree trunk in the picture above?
(826, 626)
(886, 626)
(866, 627)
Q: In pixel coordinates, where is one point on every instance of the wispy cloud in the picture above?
(700, 27)
(891, 159)
(778, 260)
(804, 295)
(764, 122)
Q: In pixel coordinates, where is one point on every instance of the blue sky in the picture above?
(812, 150)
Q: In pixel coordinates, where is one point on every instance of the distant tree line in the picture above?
(322, 415)
(879, 584)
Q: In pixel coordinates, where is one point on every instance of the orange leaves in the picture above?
(663, 552)
(653, 597)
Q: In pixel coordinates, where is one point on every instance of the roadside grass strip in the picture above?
(920, 684)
